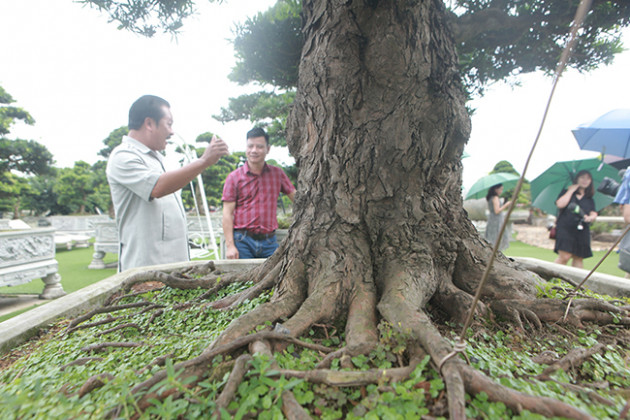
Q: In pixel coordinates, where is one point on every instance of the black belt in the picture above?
(256, 236)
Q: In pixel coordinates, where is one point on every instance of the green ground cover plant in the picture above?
(88, 367)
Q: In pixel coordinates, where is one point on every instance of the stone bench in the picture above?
(29, 254)
(72, 231)
(106, 239)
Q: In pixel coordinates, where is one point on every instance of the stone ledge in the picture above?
(598, 282)
(20, 328)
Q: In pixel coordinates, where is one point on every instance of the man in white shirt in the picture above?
(147, 199)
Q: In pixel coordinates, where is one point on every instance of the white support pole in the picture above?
(190, 154)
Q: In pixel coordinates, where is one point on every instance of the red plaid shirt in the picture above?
(256, 197)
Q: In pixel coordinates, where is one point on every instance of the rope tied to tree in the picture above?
(458, 347)
(580, 14)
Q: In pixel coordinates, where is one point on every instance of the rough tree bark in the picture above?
(378, 128)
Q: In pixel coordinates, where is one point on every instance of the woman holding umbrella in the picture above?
(577, 211)
(495, 217)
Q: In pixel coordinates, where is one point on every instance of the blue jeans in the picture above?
(249, 247)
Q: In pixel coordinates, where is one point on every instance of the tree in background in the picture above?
(13, 189)
(18, 158)
(525, 195)
(10, 114)
(268, 48)
(100, 199)
(113, 139)
(78, 188)
(42, 198)
(377, 128)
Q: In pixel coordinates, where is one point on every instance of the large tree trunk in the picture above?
(378, 128)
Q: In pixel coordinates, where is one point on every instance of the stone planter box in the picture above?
(29, 254)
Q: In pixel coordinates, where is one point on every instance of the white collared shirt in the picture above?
(150, 230)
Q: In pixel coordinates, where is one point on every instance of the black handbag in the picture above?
(608, 186)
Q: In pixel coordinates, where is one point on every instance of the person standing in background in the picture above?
(577, 212)
(496, 217)
(147, 201)
(250, 201)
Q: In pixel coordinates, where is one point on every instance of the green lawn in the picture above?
(609, 266)
(74, 272)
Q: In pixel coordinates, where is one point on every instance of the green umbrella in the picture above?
(482, 185)
(547, 186)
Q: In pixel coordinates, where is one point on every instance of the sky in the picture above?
(77, 75)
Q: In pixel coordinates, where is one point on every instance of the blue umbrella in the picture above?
(608, 134)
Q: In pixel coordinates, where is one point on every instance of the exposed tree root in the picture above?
(158, 361)
(235, 379)
(103, 310)
(96, 348)
(290, 407)
(94, 382)
(476, 382)
(288, 297)
(116, 297)
(154, 316)
(237, 299)
(591, 394)
(298, 304)
(120, 327)
(456, 302)
(351, 378)
(198, 366)
(573, 358)
(174, 280)
(107, 320)
(533, 311)
(399, 306)
(80, 362)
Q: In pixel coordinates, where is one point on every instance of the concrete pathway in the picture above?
(13, 303)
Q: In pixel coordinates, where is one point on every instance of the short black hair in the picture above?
(258, 132)
(146, 106)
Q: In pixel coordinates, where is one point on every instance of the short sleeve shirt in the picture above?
(569, 219)
(623, 195)
(150, 230)
(256, 197)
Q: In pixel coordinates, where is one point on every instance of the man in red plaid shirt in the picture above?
(250, 200)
